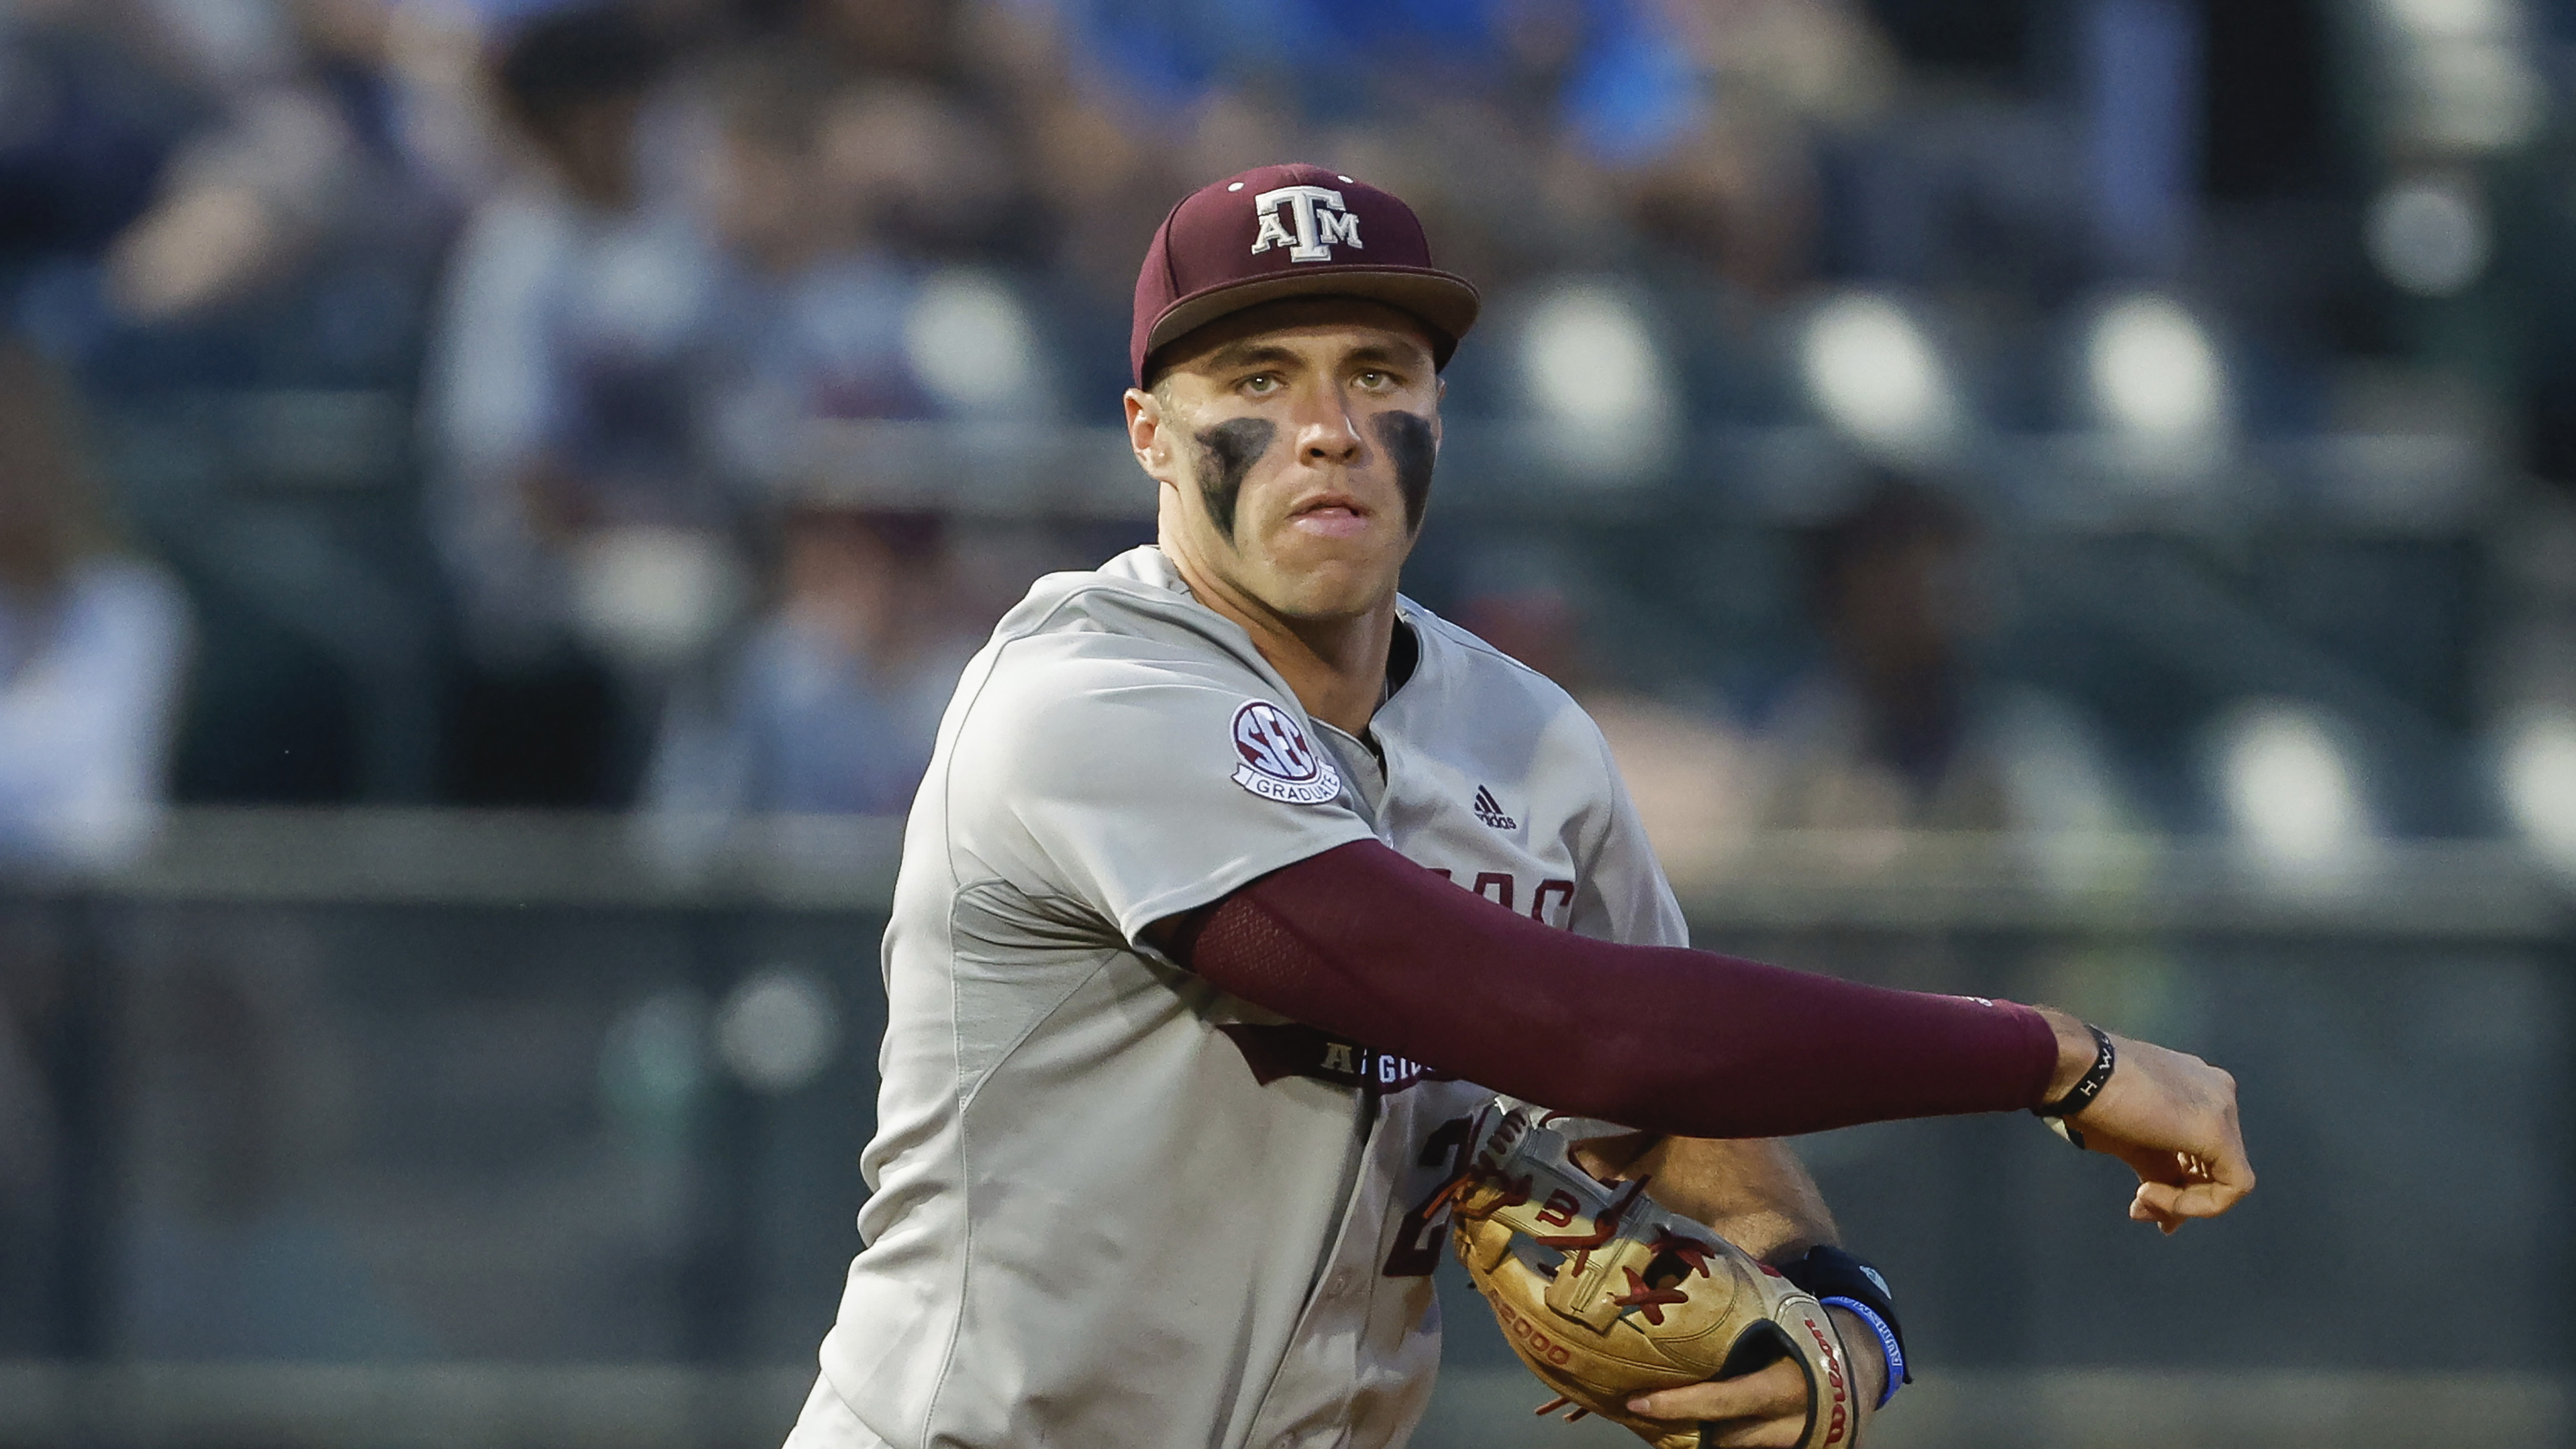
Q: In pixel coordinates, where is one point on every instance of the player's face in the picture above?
(1295, 446)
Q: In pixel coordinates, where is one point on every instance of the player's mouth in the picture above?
(1330, 515)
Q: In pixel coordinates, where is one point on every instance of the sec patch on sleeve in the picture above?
(1276, 761)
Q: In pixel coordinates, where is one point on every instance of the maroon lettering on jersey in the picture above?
(1291, 1050)
(1563, 890)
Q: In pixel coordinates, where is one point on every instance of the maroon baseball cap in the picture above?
(1291, 231)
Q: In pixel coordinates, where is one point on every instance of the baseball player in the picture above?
(1239, 882)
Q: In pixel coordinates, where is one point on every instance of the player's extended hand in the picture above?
(2172, 1118)
(1767, 1409)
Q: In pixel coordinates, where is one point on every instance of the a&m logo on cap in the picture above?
(1318, 216)
(1277, 761)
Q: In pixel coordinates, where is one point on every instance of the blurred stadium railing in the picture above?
(396, 1128)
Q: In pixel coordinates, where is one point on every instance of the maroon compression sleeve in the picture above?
(1362, 942)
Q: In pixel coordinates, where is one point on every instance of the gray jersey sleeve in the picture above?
(1139, 774)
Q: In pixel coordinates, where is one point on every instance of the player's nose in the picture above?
(1329, 436)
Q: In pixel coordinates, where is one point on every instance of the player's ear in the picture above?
(1151, 435)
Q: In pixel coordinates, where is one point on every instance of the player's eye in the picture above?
(1373, 379)
(1261, 384)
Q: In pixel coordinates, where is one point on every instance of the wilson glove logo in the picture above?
(1277, 761)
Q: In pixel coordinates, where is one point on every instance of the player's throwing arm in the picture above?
(1696, 1044)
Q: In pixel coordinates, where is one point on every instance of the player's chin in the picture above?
(1333, 578)
(1308, 601)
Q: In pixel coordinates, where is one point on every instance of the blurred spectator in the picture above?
(1737, 193)
(923, 174)
(311, 147)
(92, 114)
(1897, 726)
(812, 322)
(833, 704)
(919, 39)
(706, 232)
(256, 332)
(819, 301)
(1508, 124)
(1606, 72)
(93, 645)
(577, 511)
(1096, 166)
(837, 203)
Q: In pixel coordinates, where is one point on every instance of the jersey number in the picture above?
(1418, 1239)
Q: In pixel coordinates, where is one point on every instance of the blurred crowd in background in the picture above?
(2099, 420)
(1980, 414)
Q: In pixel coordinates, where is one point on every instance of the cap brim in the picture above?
(1445, 302)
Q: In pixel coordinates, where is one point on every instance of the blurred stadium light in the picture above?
(2536, 774)
(653, 596)
(970, 340)
(778, 1028)
(2465, 77)
(1592, 372)
(2428, 234)
(652, 1067)
(2290, 789)
(2156, 377)
(1876, 377)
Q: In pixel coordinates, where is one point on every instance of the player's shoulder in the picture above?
(1456, 660)
(1090, 648)
(1138, 594)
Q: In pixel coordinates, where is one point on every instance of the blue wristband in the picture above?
(1886, 1342)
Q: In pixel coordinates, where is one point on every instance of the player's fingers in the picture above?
(1774, 1433)
(2141, 1211)
(2199, 1182)
(1767, 1394)
(2228, 1169)
(2194, 1200)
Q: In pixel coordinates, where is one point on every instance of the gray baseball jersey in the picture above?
(1113, 1205)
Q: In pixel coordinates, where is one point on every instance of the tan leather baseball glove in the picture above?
(1606, 1295)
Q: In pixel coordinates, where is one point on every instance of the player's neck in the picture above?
(1336, 667)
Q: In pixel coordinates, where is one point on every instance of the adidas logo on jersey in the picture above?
(1490, 810)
